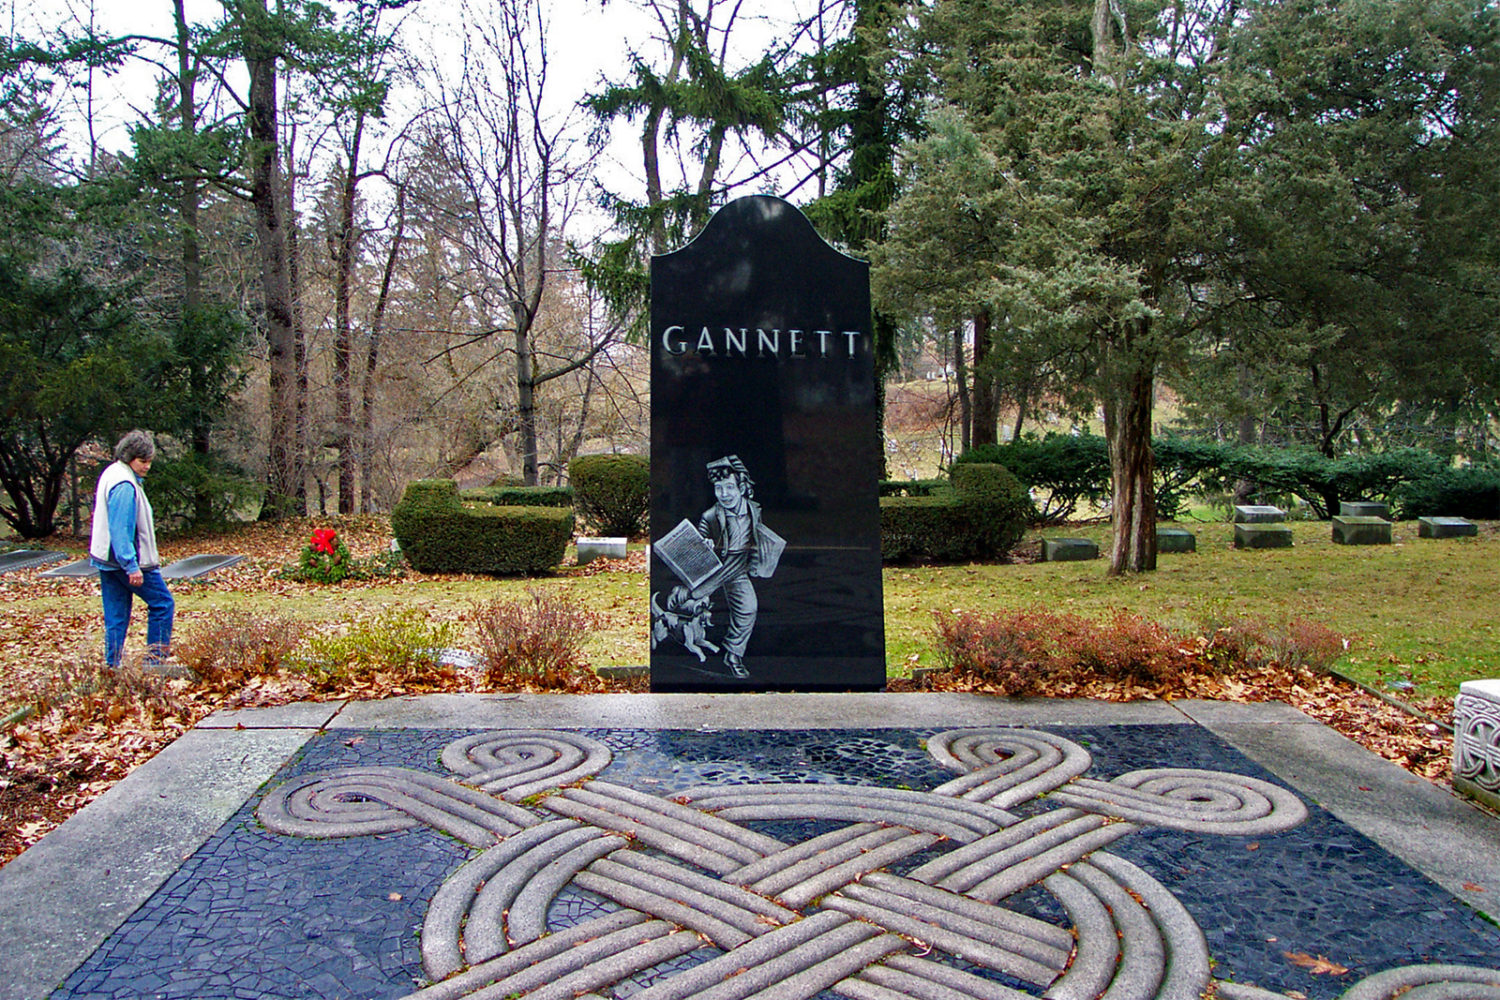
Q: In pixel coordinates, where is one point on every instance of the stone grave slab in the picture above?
(1172, 539)
(765, 459)
(1446, 527)
(1262, 536)
(195, 566)
(590, 549)
(78, 568)
(28, 559)
(1069, 549)
(1361, 531)
(554, 863)
(1476, 741)
(1258, 514)
(1364, 508)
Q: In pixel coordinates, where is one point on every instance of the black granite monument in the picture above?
(765, 518)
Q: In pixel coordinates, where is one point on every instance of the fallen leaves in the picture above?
(1318, 966)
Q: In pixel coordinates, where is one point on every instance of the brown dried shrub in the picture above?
(538, 640)
(1021, 652)
(227, 649)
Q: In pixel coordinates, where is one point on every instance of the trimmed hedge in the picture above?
(1472, 492)
(1068, 469)
(612, 492)
(1072, 469)
(438, 534)
(982, 513)
(521, 496)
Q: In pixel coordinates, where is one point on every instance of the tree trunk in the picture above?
(965, 404)
(265, 196)
(986, 394)
(1129, 388)
(525, 398)
(372, 359)
(299, 326)
(344, 239)
(188, 202)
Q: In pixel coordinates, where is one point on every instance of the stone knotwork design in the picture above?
(1476, 741)
(792, 920)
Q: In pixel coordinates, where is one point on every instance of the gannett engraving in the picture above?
(744, 342)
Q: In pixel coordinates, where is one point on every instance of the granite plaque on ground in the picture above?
(765, 518)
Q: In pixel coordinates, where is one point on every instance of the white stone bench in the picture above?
(1476, 741)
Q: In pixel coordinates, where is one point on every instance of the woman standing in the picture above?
(123, 549)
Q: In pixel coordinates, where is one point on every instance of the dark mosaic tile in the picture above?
(252, 914)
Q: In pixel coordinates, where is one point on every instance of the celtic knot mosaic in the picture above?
(903, 893)
(1476, 741)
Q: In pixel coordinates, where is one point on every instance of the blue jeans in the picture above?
(117, 594)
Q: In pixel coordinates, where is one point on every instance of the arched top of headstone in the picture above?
(759, 220)
(760, 263)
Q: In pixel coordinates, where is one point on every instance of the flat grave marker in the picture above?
(28, 559)
(1361, 531)
(196, 566)
(1172, 539)
(1068, 549)
(1446, 527)
(1262, 536)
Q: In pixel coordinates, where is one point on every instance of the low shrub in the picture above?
(228, 648)
(1065, 469)
(612, 493)
(1322, 482)
(1473, 492)
(438, 534)
(1295, 644)
(997, 502)
(1035, 651)
(982, 513)
(538, 640)
(397, 645)
(521, 496)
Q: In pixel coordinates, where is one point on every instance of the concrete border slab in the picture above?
(741, 711)
(1261, 713)
(63, 897)
(299, 715)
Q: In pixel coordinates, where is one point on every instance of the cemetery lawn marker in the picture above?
(765, 517)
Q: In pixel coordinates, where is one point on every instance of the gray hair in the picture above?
(134, 445)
